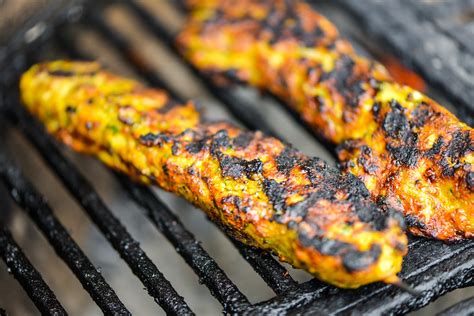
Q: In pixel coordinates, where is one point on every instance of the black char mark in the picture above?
(344, 81)
(402, 144)
(352, 259)
(286, 160)
(65, 73)
(276, 194)
(395, 123)
(458, 147)
(151, 139)
(235, 167)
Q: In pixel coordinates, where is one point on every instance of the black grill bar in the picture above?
(273, 273)
(463, 308)
(186, 245)
(276, 276)
(29, 278)
(156, 284)
(431, 267)
(27, 197)
(128, 52)
(243, 111)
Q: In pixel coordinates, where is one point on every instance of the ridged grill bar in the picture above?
(129, 249)
(29, 278)
(431, 266)
(27, 197)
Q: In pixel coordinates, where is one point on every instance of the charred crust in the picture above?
(470, 180)
(243, 139)
(458, 147)
(219, 140)
(276, 194)
(196, 147)
(151, 139)
(71, 109)
(396, 123)
(436, 149)
(175, 148)
(355, 260)
(235, 167)
(286, 160)
(421, 114)
(407, 153)
(364, 160)
(413, 221)
(352, 259)
(345, 82)
(376, 109)
(66, 73)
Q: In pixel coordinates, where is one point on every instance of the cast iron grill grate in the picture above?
(431, 267)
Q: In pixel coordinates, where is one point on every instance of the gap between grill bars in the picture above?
(430, 266)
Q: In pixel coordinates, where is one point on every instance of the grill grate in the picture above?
(29, 278)
(431, 266)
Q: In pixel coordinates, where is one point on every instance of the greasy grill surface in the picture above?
(431, 266)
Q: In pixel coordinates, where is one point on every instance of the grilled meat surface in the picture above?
(411, 153)
(262, 191)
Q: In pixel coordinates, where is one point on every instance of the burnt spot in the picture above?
(70, 73)
(197, 146)
(395, 123)
(243, 139)
(413, 221)
(235, 167)
(352, 259)
(219, 140)
(316, 169)
(355, 260)
(421, 114)
(470, 180)
(276, 194)
(234, 200)
(376, 109)
(459, 145)
(286, 160)
(370, 214)
(365, 162)
(70, 109)
(166, 170)
(345, 81)
(175, 148)
(151, 139)
(407, 153)
(436, 149)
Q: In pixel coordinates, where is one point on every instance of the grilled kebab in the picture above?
(411, 153)
(263, 192)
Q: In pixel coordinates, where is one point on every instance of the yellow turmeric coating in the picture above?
(263, 192)
(411, 153)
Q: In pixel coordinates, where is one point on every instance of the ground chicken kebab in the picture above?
(411, 153)
(262, 191)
